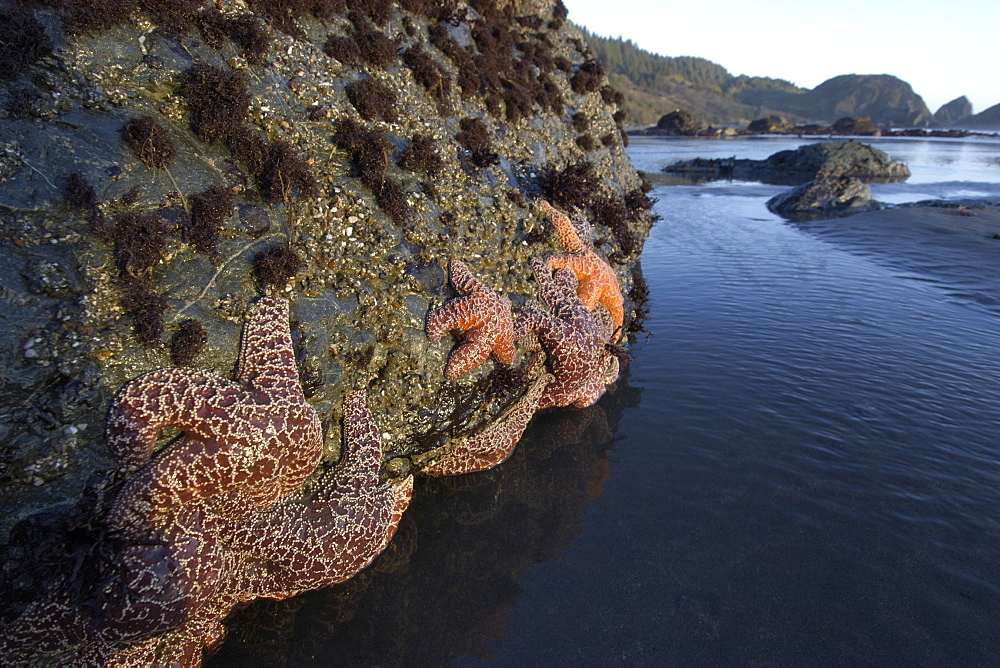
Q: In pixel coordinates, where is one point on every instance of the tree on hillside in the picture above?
(654, 85)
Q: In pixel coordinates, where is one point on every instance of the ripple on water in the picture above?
(811, 476)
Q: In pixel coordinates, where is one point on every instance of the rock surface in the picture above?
(279, 159)
(823, 198)
(824, 160)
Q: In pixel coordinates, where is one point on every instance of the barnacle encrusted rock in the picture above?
(253, 107)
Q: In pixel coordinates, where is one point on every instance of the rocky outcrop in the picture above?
(823, 198)
(164, 168)
(988, 119)
(769, 125)
(953, 112)
(682, 124)
(887, 100)
(824, 160)
(854, 125)
(678, 123)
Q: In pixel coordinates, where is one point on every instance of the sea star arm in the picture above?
(463, 280)
(597, 280)
(175, 397)
(180, 648)
(611, 299)
(605, 324)
(267, 358)
(582, 268)
(334, 531)
(495, 443)
(569, 238)
(531, 321)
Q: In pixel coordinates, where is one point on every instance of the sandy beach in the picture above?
(955, 246)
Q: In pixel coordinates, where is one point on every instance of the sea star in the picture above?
(311, 540)
(256, 437)
(483, 316)
(246, 444)
(573, 338)
(184, 548)
(597, 282)
(496, 441)
(327, 536)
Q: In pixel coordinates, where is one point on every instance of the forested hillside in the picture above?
(655, 85)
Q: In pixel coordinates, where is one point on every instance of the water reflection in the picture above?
(447, 583)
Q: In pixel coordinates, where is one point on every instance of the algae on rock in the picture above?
(374, 250)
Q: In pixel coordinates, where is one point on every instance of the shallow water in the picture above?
(801, 468)
(812, 474)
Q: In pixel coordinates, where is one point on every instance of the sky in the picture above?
(944, 49)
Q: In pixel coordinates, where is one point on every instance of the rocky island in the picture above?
(830, 177)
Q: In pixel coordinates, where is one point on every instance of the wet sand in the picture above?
(954, 245)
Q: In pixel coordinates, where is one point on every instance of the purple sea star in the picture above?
(311, 540)
(495, 443)
(343, 523)
(246, 444)
(483, 316)
(257, 436)
(597, 282)
(573, 339)
(209, 521)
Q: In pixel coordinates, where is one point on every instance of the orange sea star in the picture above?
(481, 315)
(597, 282)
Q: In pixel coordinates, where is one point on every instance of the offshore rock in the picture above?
(823, 198)
(953, 112)
(824, 160)
(854, 125)
(772, 124)
(679, 123)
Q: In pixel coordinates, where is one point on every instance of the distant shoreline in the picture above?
(733, 133)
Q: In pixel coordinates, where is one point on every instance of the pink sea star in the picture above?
(597, 282)
(573, 339)
(483, 316)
